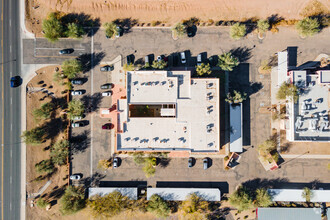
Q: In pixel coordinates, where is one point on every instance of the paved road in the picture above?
(10, 111)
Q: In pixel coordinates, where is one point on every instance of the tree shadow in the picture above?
(89, 61)
(242, 53)
(126, 24)
(92, 102)
(163, 162)
(54, 127)
(80, 142)
(60, 102)
(93, 180)
(250, 24)
(264, 183)
(84, 20)
(57, 192)
(274, 19)
(323, 19)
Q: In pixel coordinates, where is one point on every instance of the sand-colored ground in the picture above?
(38, 153)
(171, 11)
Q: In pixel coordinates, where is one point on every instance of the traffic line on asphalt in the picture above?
(65, 57)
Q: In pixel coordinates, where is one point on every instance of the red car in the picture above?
(108, 126)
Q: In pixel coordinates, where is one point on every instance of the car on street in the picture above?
(183, 57)
(107, 126)
(205, 163)
(115, 162)
(107, 68)
(66, 51)
(75, 177)
(77, 81)
(76, 92)
(106, 93)
(199, 59)
(107, 86)
(190, 162)
(15, 81)
(78, 124)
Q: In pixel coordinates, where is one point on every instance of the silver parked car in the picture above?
(205, 163)
(76, 92)
(115, 162)
(106, 93)
(75, 177)
(183, 57)
(199, 59)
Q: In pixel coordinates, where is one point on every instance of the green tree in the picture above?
(44, 112)
(41, 203)
(241, 199)
(263, 25)
(203, 69)
(287, 90)
(227, 61)
(237, 97)
(70, 68)
(193, 204)
(74, 30)
(237, 31)
(158, 206)
(267, 146)
(308, 27)
(108, 205)
(159, 64)
(263, 199)
(72, 201)
(179, 30)
(60, 152)
(52, 27)
(307, 194)
(75, 108)
(33, 136)
(45, 166)
(111, 29)
(138, 158)
(149, 170)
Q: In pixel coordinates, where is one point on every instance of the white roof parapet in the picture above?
(282, 67)
(181, 194)
(130, 192)
(236, 125)
(295, 195)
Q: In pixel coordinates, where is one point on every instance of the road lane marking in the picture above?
(10, 22)
(11, 152)
(11, 98)
(10, 49)
(11, 180)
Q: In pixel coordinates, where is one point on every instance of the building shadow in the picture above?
(133, 183)
(223, 186)
(292, 57)
(242, 53)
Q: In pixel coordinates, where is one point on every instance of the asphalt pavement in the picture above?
(10, 111)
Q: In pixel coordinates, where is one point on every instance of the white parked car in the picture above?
(159, 58)
(75, 177)
(76, 92)
(77, 124)
(183, 57)
(77, 118)
(106, 93)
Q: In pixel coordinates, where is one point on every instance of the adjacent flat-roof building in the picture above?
(289, 213)
(130, 192)
(295, 195)
(236, 128)
(180, 194)
(167, 110)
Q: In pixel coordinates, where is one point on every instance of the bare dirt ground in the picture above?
(170, 11)
(40, 152)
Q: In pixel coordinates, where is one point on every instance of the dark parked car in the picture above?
(107, 126)
(15, 81)
(66, 51)
(107, 86)
(190, 162)
(107, 68)
(77, 81)
(213, 60)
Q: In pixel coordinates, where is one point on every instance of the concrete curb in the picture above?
(305, 156)
(24, 32)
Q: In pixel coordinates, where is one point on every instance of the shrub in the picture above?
(52, 28)
(74, 30)
(159, 64)
(158, 206)
(227, 61)
(237, 97)
(265, 65)
(179, 30)
(194, 204)
(237, 31)
(241, 199)
(71, 68)
(60, 152)
(268, 146)
(203, 69)
(108, 205)
(308, 27)
(155, 23)
(263, 26)
(41, 203)
(33, 136)
(287, 90)
(104, 164)
(75, 108)
(72, 201)
(129, 67)
(45, 166)
(149, 170)
(263, 199)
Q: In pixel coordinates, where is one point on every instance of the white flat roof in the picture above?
(196, 125)
(282, 67)
(236, 131)
(180, 194)
(130, 192)
(289, 213)
(324, 76)
(295, 195)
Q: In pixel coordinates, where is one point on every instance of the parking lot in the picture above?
(91, 143)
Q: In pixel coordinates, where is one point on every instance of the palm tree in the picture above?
(237, 31)
(227, 61)
(307, 194)
(111, 29)
(263, 25)
(203, 69)
(308, 27)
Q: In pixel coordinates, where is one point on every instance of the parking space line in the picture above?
(54, 48)
(58, 56)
